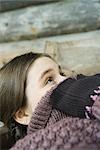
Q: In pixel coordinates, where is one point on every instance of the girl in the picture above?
(23, 82)
(33, 78)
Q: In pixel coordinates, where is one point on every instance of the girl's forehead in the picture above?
(44, 62)
(41, 65)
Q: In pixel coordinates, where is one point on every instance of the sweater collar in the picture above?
(44, 115)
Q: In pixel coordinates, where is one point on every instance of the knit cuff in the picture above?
(55, 116)
(41, 114)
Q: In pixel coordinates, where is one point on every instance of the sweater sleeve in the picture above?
(65, 134)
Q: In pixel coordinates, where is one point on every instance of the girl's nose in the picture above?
(61, 78)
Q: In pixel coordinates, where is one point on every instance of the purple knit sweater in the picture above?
(50, 129)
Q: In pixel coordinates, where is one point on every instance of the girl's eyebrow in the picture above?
(48, 71)
(45, 72)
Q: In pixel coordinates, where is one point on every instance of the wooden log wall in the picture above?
(7, 5)
(47, 20)
(66, 29)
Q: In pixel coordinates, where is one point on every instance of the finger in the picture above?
(94, 97)
(96, 112)
(99, 87)
(88, 108)
(97, 91)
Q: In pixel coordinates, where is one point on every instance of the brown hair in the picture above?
(13, 77)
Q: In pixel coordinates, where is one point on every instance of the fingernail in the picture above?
(88, 108)
(94, 97)
(97, 91)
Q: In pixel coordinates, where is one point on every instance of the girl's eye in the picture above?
(49, 80)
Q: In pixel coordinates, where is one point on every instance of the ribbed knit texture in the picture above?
(44, 115)
(54, 133)
(41, 114)
(73, 95)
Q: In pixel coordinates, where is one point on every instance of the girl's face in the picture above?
(43, 74)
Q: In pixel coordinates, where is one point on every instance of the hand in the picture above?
(96, 105)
